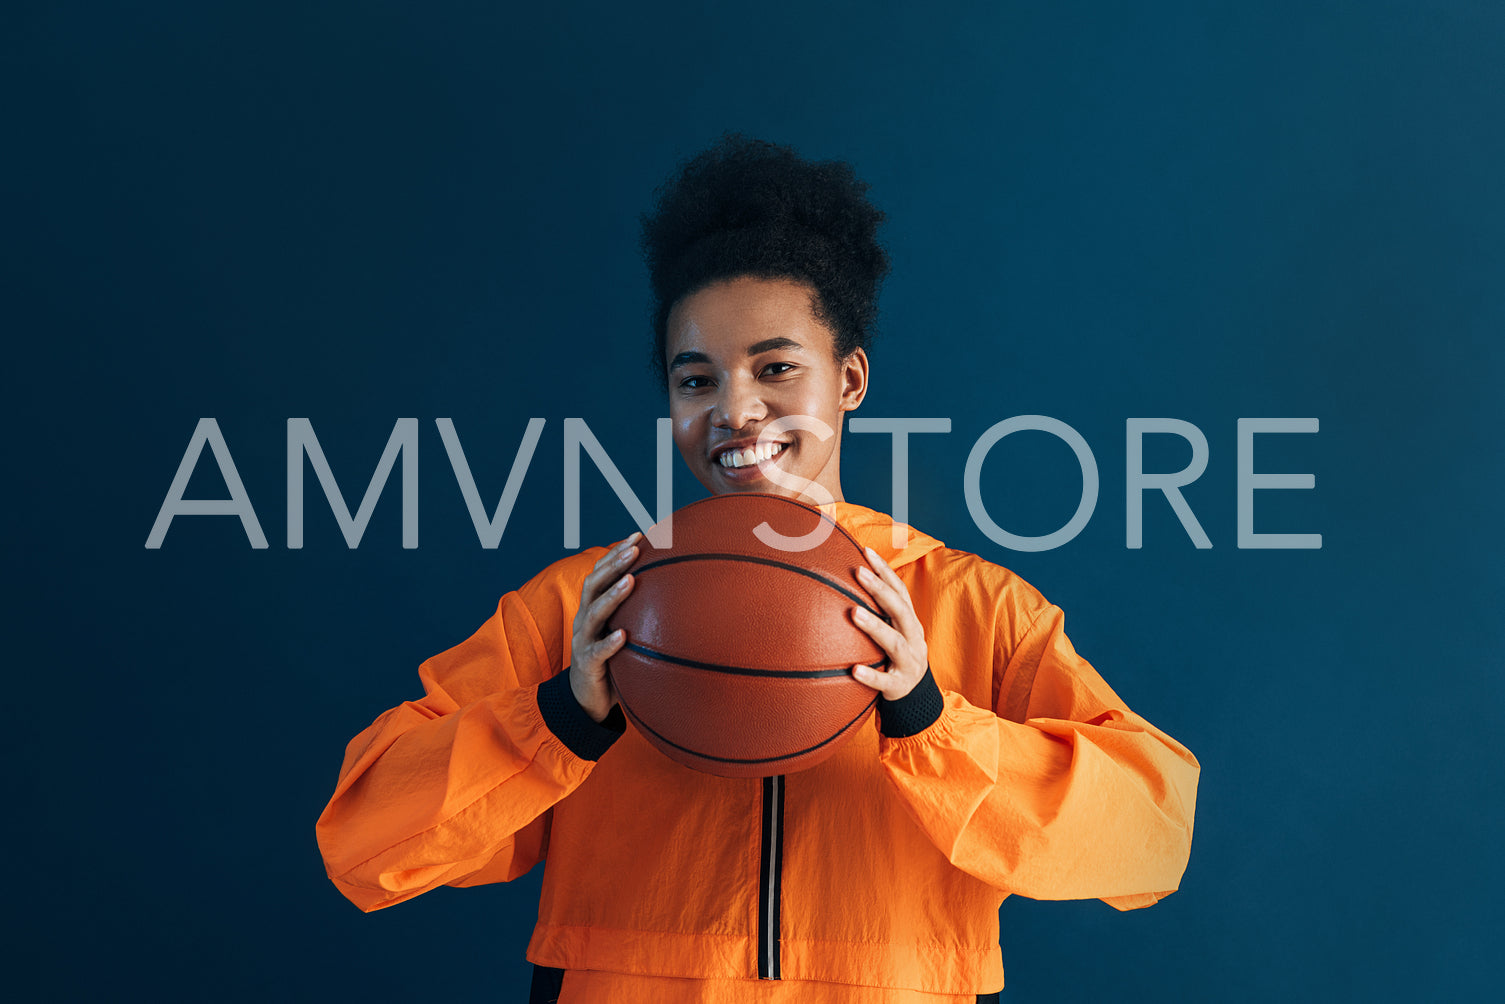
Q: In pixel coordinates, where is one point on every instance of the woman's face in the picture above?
(747, 357)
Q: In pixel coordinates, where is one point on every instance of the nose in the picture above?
(739, 405)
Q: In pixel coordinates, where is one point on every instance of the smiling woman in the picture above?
(1001, 763)
(746, 353)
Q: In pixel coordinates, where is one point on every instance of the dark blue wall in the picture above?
(355, 212)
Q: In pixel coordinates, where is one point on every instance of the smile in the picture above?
(751, 455)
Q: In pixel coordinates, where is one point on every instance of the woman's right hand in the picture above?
(605, 588)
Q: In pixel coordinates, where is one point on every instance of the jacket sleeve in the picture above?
(1058, 791)
(456, 788)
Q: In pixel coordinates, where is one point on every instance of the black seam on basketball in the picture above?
(767, 759)
(714, 667)
(772, 562)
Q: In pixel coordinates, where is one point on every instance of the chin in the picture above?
(764, 488)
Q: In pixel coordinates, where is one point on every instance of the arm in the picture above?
(455, 788)
(1058, 791)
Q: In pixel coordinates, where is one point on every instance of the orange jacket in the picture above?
(890, 858)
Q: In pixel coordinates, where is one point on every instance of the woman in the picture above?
(1000, 762)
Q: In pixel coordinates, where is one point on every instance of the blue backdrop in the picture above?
(355, 212)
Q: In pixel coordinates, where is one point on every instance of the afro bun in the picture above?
(746, 207)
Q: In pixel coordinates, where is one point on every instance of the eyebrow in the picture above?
(757, 348)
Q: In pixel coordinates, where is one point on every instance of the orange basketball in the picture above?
(738, 652)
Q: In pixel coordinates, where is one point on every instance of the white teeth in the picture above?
(750, 455)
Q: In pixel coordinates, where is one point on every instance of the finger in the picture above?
(884, 635)
(609, 568)
(901, 608)
(602, 606)
(888, 599)
(599, 585)
(621, 552)
(594, 654)
(885, 572)
(880, 566)
(612, 553)
(878, 680)
(609, 646)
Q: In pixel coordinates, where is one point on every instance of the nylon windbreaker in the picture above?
(882, 868)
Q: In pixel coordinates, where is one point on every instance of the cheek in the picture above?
(686, 430)
(822, 407)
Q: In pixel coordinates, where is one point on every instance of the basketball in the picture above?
(738, 652)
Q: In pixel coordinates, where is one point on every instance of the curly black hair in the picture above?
(747, 207)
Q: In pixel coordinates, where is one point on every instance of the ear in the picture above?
(853, 380)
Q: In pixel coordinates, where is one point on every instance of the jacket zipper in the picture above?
(769, 884)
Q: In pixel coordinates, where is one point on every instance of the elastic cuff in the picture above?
(564, 716)
(913, 713)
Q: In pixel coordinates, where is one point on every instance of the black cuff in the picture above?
(564, 716)
(913, 713)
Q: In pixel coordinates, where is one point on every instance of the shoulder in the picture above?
(957, 569)
(971, 586)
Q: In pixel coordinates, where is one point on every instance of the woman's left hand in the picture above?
(903, 639)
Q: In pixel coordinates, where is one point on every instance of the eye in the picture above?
(695, 382)
(777, 369)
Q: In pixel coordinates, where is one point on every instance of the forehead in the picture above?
(730, 317)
